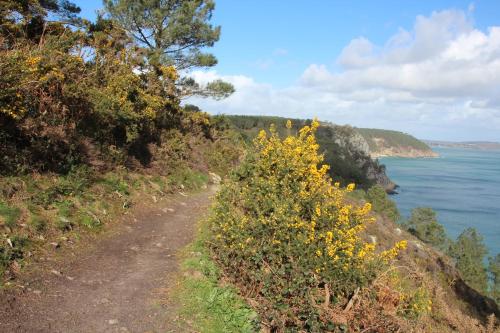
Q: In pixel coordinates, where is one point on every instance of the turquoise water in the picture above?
(462, 186)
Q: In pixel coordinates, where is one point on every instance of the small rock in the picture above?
(37, 292)
(373, 239)
(215, 178)
(113, 321)
(55, 272)
(70, 278)
(418, 245)
(55, 245)
(398, 231)
(183, 194)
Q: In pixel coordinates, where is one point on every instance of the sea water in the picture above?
(461, 185)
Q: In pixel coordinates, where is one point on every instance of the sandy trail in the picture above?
(116, 286)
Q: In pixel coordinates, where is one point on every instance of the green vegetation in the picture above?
(207, 305)
(91, 122)
(382, 204)
(469, 252)
(424, 225)
(494, 270)
(390, 139)
(349, 163)
(173, 34)
(90, 116)
(76, 92)
(9, 215)
(287, 236)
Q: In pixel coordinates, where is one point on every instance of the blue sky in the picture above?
(329, 59)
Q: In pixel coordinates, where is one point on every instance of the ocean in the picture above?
(462, 186)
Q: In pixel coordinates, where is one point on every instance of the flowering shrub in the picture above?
(288, 236)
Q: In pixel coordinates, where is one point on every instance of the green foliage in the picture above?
(415, 304)
(189, 178)
(382, 204)
(11, 249)
(173, 34)
(424, 225)
(88, 95)
(390, 139)
(469, 252)
(207, 305)
(37, 222)
(349, 164)
(494, 270)
(284, 233)
(9, 215)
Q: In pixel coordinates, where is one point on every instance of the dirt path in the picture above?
(118, 285)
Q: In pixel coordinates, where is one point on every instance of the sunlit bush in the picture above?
(286, 234)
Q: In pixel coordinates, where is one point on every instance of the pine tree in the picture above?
(469, 252)
(424, 225)
(173, 33)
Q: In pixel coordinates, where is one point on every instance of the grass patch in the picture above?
(189, 178)
(9, 215)
(42, 208)
(207, 305)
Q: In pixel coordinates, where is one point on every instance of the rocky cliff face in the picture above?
(351, 149)
(344, 148)
(393, 143)
(384, 150)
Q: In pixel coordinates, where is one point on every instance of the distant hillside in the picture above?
(394, 143)
(483, 145)
(345, 150)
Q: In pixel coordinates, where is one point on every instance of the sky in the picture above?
(428, 68)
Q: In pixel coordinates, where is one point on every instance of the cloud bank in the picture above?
(440, 80)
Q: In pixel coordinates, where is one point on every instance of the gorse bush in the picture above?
(286, 234)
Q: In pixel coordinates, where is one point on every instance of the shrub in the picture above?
(381, 203)
(494, 270)
(469, 252)
(424, 225)
(287, 235)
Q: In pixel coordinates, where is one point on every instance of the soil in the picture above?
(116, 283)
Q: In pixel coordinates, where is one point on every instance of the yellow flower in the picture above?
(288, 124)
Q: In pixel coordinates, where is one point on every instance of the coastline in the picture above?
(404, 154)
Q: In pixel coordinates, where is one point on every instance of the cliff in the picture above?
(393, 143)
(344, 148)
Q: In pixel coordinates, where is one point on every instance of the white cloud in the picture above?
(439, 80)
